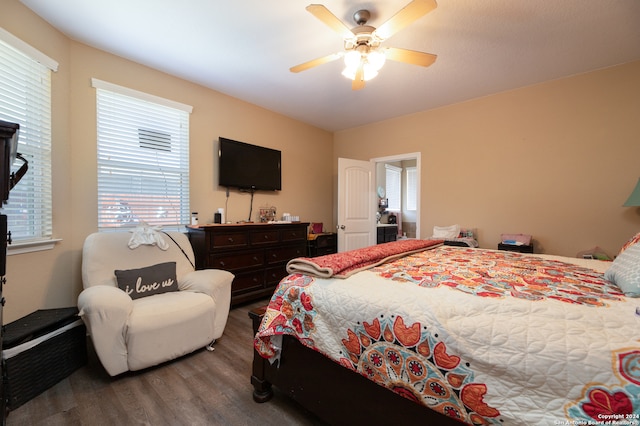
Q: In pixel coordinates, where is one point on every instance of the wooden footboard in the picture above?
(335, 394)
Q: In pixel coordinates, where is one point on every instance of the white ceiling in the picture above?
(244, 48)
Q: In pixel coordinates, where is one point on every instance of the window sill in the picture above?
(31, 246)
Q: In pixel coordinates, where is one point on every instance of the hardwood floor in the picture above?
(203, 388)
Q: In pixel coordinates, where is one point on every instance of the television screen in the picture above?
(245, 166)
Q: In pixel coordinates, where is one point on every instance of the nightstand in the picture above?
(524, 248)
(387, 233)
(321, 244)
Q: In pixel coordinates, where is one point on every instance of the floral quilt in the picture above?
(482, 336)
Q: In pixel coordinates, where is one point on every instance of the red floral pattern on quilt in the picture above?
(488, 273)
(601, 403)
(414, 363)
(405, 357)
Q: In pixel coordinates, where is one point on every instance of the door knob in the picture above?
(342, 227)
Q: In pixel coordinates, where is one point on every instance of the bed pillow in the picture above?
(632, 241)
(155, 279)
(625, 271)
(446, 231)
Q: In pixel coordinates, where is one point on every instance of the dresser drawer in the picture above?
(235, 261)
(247, 281)
(294, 234)
(323, 251)
(326, 241)
(263, 237)
(274, 275)
(228, 241)
(284, 254)
(257, 254)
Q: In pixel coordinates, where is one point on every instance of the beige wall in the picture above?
(556, 160)
(51, 278)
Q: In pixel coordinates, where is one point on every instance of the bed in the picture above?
(416, 331)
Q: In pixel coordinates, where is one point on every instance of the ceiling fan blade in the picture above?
(358, 80)
(411, 12)
(323, 14)
(410, 56)
(315, 62)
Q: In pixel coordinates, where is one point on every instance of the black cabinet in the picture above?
(387, 233)
(524, 248)
(321, 244)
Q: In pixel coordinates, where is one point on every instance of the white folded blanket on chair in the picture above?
(145, 234)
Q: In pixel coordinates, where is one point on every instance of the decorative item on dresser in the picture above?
(256, 253)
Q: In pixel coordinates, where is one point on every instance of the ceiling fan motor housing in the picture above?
(361, 16)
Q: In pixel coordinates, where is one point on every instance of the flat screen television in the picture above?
(248, 167)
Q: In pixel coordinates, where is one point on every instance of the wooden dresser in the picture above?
(256, 253)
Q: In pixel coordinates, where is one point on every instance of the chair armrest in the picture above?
(208, 281)
(217, 284)
(105, 311)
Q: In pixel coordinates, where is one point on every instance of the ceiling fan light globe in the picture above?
(376, 59)
(352, 60)
(369, 72)
(349, 73)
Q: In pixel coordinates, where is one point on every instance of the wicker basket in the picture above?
(40, 350)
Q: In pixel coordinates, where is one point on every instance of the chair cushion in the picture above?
(154, 279)
(169, 325)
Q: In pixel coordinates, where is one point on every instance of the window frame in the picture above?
(411, 189)
(393, 176)
(135, 145)
(29, 82)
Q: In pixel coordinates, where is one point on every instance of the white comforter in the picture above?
(471, 346)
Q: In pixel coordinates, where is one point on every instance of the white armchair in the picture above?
(132, 334)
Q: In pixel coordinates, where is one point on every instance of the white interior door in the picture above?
(356, 204)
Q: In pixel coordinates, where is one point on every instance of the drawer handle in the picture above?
(255, 259)
(222, 264)
(266, 237)
(230, 239)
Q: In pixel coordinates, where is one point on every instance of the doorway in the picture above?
(408, 217)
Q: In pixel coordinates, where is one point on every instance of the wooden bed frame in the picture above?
(335, 394)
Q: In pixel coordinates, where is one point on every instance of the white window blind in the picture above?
(25, 98)
(394, 185)
(143, 159)
(412, 188)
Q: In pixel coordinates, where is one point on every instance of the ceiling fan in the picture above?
(363, 53)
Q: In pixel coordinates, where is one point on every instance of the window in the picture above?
(143, 159)
(412, 188)
(25, 98)
(394, 185)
